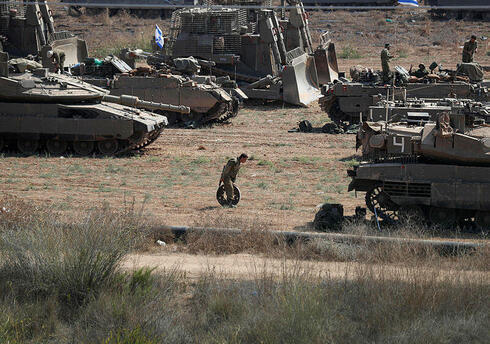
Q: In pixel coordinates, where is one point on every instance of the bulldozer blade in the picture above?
(75, 49)
(300, 81)
(326, 63)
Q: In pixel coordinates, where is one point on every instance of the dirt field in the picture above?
(289, 174)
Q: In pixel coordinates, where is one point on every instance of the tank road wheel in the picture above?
(27, 146)
(221, 195)
(108, 147)
(380, 203)
(411, 214)
(83, 148)
(482, 220)
(56, 147)
(442, 216)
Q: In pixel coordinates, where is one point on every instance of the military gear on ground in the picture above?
(21, 65)
(385, 64)
(305, 126)
(469, 50)
(330, 216)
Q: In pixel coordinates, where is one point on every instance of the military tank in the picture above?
(416, 110)
(349, 101)
(42, 110)
(209, 102)
(271, 58)
(438, 172)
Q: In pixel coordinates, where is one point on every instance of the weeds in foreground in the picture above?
(65, 284)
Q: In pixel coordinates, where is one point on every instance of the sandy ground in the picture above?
(246, 266)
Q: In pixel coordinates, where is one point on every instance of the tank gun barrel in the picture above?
(136, 102)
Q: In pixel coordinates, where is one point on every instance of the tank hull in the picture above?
(347, 102)
(208, 104)
(91, 124)
(456, 190)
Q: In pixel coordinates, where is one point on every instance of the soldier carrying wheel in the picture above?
(229, 174)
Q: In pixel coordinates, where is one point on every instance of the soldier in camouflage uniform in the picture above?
(422, 72)
(469, 49)
(385, 63)
(229, 174)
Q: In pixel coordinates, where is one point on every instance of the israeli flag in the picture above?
(159, 37)
(409, 2)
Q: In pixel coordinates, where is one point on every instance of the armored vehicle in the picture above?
(42, 110)
(209, 102)
(424, 110)
(437, 172)
(477, 9)
(140, 8)
(349, 101)
(270, 58)
(28, 26)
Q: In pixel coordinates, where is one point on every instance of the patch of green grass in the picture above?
(265, 163)
(306, 159)
(77, 168)
(201, 160)
(114, 169)
(262, 185)
(349, 52)
(402, 54)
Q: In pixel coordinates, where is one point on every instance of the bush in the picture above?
(350, 53)
(42, 257)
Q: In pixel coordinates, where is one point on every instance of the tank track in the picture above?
(123, 146)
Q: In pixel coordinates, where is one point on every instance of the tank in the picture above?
(209, 103)
(437, 172)
(141, 8)
(349, 101)
(57, 113)
(271, 58)
(480, 9)
(26, 27)
(423, 110)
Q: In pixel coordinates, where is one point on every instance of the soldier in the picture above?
(58, 58)
(422, 72)
(385, 62)
(229, 174)
(469, 49)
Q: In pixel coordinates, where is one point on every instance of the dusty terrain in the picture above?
(289, 174)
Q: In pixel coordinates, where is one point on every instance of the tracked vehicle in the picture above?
(209, 102)
(26, 27)
(424, 110)
(271, 58)
(57, 113)
(437, 172)
(349, 101)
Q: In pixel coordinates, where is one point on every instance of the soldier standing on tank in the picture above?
(58, 57)
(229, 174)
(469, 49)
(385, 62)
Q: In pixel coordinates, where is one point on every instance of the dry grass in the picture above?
(60, 294)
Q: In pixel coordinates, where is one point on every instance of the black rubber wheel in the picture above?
(221, 195)
(27, 146)
(380, 203)
(83, 148)
(56, 147)
(108, 147)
